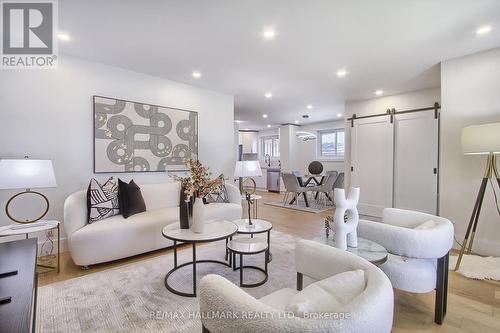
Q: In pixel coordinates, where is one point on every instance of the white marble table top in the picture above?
(258, 226)
(252, 197)
(21, 229)
(367, 249)
(213, 230)
(247, 245)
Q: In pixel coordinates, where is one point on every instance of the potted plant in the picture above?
(198, 185)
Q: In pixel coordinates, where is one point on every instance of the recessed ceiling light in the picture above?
(309, 106)
(341, 73)
(63, 36)
(339, 115)
(196, 74)
(483, 30)
(268, 95)
(268, 125)
(238, 121)
(296, 121)
(268, 34)
(379, 92)
(264, 115)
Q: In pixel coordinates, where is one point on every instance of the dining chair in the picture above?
(299, 176)
(339, 183)
(326, 188)
(292, 186)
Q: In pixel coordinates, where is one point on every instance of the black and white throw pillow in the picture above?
(102, 200)
(219, 195)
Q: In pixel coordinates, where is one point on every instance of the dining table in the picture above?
(309, 180)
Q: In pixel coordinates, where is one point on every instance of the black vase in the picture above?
(185, 209)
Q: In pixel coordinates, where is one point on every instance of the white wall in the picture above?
(47, 114)
(307, 150)
(410, 100)
(470, 94)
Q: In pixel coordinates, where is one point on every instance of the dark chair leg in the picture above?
(441, 289)
(300, 281)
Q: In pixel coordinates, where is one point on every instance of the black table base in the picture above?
(232, 260)
(194, 263)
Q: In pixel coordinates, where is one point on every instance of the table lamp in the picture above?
(247, 170)
(480, 140)
(26, 174)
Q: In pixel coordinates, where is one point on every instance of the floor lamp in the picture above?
(480, 140)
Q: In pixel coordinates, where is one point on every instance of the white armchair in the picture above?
(418, 259)
(370, 311)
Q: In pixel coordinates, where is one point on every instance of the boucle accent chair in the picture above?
(370, 311)
(418, 259)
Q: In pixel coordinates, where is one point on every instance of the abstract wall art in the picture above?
(138, 137)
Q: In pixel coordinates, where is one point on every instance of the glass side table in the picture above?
(39, 226)
(366, 249)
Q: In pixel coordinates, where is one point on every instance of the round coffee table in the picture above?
(366, 249)
(259, 226)
(213, 231)
(248, 246)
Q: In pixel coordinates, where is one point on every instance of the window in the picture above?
(271, 146)
(331, 144)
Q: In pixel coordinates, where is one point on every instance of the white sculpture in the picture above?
(345, 233)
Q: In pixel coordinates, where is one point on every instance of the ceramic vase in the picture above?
(198, 216)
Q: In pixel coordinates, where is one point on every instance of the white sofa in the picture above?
(115, 237)
(371, 311)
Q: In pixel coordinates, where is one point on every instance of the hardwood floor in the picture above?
(473, 306)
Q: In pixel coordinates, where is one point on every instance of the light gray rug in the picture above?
(313, 206)
(123, 299)
(477, 267)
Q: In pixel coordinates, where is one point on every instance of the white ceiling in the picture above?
(394, 45)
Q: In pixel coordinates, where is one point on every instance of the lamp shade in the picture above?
(26, 174)
(481, 139)
(247, 169)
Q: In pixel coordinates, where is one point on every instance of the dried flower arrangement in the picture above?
(328, 221)
(199, 183)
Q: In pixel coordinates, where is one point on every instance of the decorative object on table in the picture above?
(315, 168)
(345, 233)
(480, 140)
(169, 136)
(45, 260)
(198, 185)
(26, 174)
(130, 198)
(247, 170)
(185, 209)
(102, 199)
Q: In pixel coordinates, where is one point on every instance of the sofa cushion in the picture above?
(117, 237)
(218, 195)
(223, 211)
(330, 295)
(102, 200)
(426, 225)
(279, 299)
(130, 198)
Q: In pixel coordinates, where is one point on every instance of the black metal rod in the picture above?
(395, 112)
(194, 269)
(300, 281)
(10, 273)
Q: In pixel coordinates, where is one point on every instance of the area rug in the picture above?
(477, 267)
(313, 206)
(133, 298)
